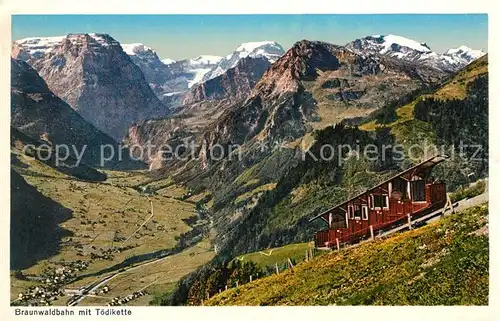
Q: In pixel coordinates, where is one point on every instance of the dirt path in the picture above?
(267, 254)
(143, 223)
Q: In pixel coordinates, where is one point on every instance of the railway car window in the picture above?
(364, 214)
(380, 201)
(418, 190)
(400, 185)
(357, 211)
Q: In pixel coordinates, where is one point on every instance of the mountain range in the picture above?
(403, 48)
(101, 72)
(270, 50)
(168, 77)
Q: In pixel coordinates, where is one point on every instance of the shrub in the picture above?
(469, 191)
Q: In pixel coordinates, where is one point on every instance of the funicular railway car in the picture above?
(412, 192)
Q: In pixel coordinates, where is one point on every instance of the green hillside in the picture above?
(296, 252)
(444, 263)
(455, 88)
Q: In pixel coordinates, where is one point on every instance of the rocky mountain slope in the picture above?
(155, 71)
(38, 113)
(411, 50)
(316, 84)
(313, 85)
(98, 79)
(235, 82)
(202, 105)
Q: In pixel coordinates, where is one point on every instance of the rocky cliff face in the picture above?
(38, 113)
(98, 79)
(155, 71)
(236, 82)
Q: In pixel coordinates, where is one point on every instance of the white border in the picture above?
(8, 7)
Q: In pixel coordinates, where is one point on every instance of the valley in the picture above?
(109, 226)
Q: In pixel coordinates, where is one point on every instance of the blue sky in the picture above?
(186, 36)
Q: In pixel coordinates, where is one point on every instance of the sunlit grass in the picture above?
(444, 263)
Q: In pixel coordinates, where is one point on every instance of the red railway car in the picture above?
(412, 192)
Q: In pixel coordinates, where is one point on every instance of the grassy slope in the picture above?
(255, 192)
(279, 255)
(444, 263)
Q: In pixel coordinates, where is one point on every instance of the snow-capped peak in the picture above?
(168, 61)
(411, 50)
(464, 50)
(38, 46)
(389, 41)
(459, 57)
(251, 46)
(391, 45)
(132, 49)
(270, 50)
(205, 60)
